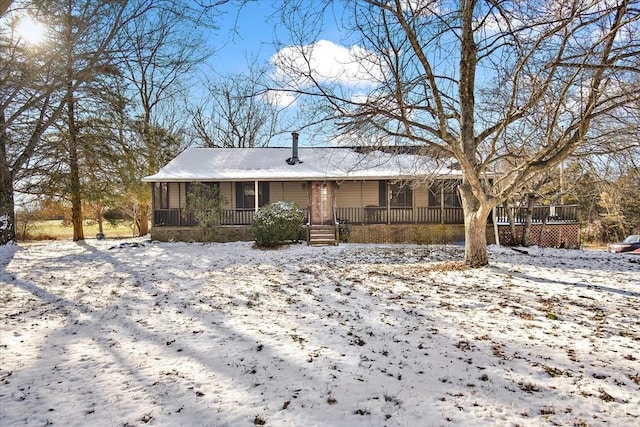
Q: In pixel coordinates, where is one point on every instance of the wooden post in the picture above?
(256, 195)
(495, 226)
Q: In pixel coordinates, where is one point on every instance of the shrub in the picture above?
(204, 202)
(115, 216)
(343, 231)
(277, 222)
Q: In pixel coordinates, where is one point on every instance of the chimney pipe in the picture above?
(294, 150)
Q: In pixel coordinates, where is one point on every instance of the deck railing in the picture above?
(178, 218)
(395, 215)
(369, 215)
(383, 215)
(549, 214)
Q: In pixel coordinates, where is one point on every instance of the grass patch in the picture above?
(55, 230)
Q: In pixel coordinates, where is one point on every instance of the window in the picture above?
(444, 191)
(161, 195)
(401, 194)
(246, 194)
(212, 189)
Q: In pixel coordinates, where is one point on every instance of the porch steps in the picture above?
(322, 235)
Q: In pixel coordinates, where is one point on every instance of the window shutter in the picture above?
(239, 195)
(382, 193)
(264, 190)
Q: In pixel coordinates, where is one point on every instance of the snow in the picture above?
(319, 163)
(4, 222)
(176, 334)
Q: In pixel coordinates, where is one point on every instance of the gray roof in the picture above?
(270, 164)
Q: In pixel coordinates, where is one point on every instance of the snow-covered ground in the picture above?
(176, 334)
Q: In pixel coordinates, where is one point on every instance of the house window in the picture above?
(246, 195)
(161, 195)
(206, 188)
(444, 193)
(401, 194)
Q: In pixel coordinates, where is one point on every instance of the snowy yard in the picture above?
(174, 334)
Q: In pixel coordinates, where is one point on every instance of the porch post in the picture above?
(256, 195)
(414, 205)
(442, 202)
(153, 203)
(389, 190)
(496, 233)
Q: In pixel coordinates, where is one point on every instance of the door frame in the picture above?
(322, 200)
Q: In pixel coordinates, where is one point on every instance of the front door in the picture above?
(321, 196)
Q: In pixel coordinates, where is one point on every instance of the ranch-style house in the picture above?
(349, 194)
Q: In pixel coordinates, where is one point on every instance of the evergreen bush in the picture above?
(277, 222)
(204, 203)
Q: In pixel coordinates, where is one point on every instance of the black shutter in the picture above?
(264, 189)
(239, 195)
(382, 193)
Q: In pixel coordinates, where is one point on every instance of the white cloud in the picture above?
(280, 98)
(326, 62)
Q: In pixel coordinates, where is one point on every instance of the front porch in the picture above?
(175, 217)
(357, 211)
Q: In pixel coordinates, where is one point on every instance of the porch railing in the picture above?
(177, 218)
(550, 214)
(395, 215)
(383, 215)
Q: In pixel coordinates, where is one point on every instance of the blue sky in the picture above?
(248, 35)
(253, 33)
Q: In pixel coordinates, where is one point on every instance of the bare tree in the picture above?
(4, 5)
(159, 52)
(237, 112)
(463, 77)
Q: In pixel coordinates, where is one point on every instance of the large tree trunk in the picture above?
(144, 219)
(74, 164)
(76, 197)
(7, 211)
(475, 228)
(153, 149)
(74, 171)
(512, 222)
(528, 220)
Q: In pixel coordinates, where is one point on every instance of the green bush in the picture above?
(277, 222)
(204, 202)
(343, 231)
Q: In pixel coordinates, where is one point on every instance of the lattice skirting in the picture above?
(549, 236)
